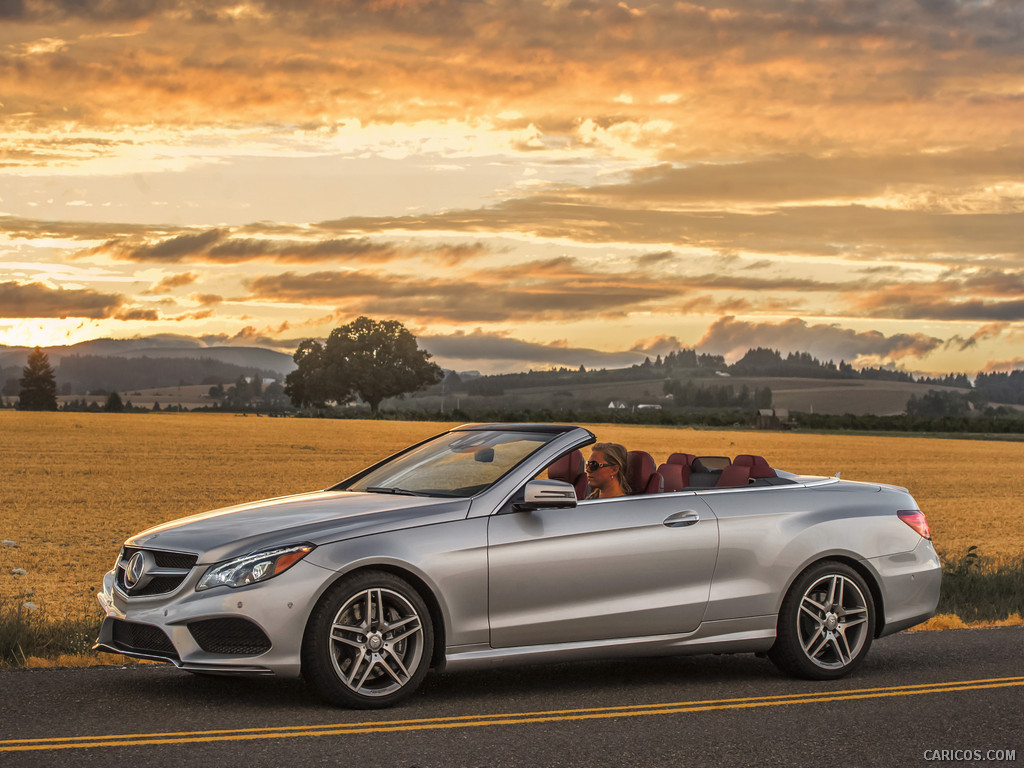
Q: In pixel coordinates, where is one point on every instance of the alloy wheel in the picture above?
(832, 622)
(376, 642)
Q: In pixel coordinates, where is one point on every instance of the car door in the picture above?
(628, 567)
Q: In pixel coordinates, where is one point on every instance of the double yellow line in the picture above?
(512, 718)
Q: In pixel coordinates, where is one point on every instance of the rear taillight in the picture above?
(915, 519)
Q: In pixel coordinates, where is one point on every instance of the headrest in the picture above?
(683, 459)
(567, 468)
(759, 467)
(642, 473)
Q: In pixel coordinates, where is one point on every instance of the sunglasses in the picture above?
(593, 466)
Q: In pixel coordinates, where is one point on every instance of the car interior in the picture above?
(680, 472)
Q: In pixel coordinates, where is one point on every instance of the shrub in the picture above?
(26, 630)
(978, 589)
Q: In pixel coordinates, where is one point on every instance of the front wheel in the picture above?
(368, 642)
(826, 623)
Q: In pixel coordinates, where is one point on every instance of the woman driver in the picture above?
(606, 471)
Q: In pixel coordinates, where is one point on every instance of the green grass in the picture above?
(976, 588)
(26, 631)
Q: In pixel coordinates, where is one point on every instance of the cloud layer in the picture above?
(568, 179)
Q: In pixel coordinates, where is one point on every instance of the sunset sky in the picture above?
(522, 183)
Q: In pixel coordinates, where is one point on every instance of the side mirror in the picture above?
(546, 494)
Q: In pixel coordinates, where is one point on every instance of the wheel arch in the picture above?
(437, 654)
(862, 570)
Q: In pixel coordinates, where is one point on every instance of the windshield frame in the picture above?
(476, 438)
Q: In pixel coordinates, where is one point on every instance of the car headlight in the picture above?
(254, 567)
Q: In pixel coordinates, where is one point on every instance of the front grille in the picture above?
(142, 638)
(160, 585)
(238, 637)
(163, 559)
(167, 559)
(165, 571)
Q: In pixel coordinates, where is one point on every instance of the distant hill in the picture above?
(124, 364)
(798, 382)
(87, 373)
(575, 392)
(158, 346)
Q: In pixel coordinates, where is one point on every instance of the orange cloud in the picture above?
(207, 299)
(218, 246)
(731, 337)
(169, 283)
(39, 300)
(852, 231)
(986, 295)
(526, 292)
(674, 79)
(148, 315)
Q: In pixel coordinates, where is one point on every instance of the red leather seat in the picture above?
(733, 475)
(569, 469)
(683, 461)
(642, 473)
(673, 476)
(758, 465)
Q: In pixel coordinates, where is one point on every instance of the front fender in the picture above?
(449, 558)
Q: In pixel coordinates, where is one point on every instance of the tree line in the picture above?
(686, 393)
(370, 360)
(100, 374)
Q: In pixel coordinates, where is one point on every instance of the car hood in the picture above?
(318, 518)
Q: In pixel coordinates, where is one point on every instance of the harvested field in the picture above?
(74, 485)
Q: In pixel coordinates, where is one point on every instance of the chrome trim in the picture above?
(210, 669)
(111, 648)
(109, 609)
(148, 571)
(682, 519)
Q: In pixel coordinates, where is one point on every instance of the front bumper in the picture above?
(253, 630)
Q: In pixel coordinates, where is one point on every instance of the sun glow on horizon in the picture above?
(48, 332)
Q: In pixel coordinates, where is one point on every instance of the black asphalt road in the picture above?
(928, 698)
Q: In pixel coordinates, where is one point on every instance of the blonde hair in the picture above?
(615, 454)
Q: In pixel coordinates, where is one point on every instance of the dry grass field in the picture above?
(74, 485)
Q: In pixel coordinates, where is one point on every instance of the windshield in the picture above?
(455, 464)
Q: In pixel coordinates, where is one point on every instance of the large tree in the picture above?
(374, 359)
(38, 384)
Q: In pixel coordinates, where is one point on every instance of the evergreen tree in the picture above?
(38, 384)
(114, 403)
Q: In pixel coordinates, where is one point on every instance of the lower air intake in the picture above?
(236, 637)
(142, 638)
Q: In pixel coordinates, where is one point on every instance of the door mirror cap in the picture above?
(546, 494)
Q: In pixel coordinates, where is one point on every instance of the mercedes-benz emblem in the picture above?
(135, 570)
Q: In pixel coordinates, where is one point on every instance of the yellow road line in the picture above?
(520, 718)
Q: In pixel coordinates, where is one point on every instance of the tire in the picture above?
(826, 623)
(369, 641)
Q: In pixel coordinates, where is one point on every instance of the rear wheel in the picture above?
(826, 623)
(368, 642)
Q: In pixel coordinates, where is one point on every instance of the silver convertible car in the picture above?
(478, 547)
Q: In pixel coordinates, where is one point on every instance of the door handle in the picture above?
(681, 519)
